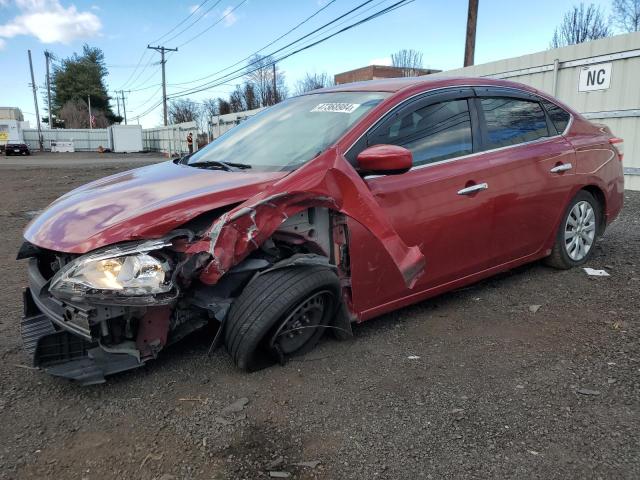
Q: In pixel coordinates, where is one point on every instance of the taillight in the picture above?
(618, 144)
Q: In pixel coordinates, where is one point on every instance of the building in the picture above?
(598, 79)
(375, 72)
(11, 113)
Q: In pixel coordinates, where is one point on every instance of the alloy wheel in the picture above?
(580, 231)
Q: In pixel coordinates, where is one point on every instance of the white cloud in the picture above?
(50, 22)
(380, 61)
(229, 17)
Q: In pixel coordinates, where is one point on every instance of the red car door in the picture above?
(531, 167)
(442, 204)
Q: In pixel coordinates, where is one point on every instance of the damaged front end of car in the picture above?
(115, 308)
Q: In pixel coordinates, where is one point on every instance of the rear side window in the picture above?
(510, 121)
(432, 133)
(559, 117)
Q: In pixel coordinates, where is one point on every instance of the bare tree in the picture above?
(260, 74)
(75, 114)
(626, 15)
(313, 81)
(223, 106)
(236, 100)
(181, 111)
(210, 108)
(581, 24)
(249, 96)
(409, 60)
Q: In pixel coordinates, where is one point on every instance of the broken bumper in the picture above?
(62, 344)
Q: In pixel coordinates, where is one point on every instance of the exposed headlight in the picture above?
(122, 271)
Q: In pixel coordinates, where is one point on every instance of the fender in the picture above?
(327, 181)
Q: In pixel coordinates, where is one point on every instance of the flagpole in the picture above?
(89, 102)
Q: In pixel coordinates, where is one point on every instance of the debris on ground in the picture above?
(276, 462)
(279, 474)
(596, 273)
(534, 308)
(312, 464)
(586, 391)
(235, 407)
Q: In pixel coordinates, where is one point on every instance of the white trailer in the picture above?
(125, 138)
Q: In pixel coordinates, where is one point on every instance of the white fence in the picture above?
(599, 79)
(84, 140)
(223, 123)
(171, 139)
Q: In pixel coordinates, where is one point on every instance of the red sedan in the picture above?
(327, 209)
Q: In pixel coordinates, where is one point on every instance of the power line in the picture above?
(144, 53)
(216, 23)
(227, 78)
(134, 70)
(263, 48)
(180, 23)
(204, 15)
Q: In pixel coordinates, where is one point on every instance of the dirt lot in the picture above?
(498, 390)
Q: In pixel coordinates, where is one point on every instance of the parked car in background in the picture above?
(16, 148)
(329, 208)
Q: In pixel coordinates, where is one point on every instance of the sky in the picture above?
(221, 33)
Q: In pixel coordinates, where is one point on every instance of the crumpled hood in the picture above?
(147, 202)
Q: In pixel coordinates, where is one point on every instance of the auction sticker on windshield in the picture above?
(336, 107)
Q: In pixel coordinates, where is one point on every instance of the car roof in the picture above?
(426, 82)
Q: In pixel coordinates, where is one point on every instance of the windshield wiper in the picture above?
(241, 166)
(227, 166)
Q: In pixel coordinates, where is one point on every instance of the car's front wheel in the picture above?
(281, 313)
(578, 232)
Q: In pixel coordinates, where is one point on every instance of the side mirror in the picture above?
(385, 160)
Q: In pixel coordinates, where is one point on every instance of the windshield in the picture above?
(287, 135)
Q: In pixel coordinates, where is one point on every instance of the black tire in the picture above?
(559, 257)
(263, 318)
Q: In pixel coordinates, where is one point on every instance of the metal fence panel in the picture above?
(83, 139)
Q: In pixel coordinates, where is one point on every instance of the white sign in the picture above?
(595, 77)
(336, 107)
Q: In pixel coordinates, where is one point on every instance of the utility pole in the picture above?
(90, 119)
(47, 55)
(35, 101)
(118, 102)
(164, 81)
(275, 90)
(470, 44)
(124, 107)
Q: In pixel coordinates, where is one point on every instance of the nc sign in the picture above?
(595, 77)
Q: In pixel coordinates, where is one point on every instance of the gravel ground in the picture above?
(473, 384)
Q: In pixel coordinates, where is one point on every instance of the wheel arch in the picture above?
(599, 195)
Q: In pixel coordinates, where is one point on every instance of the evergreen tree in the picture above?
(79, 77)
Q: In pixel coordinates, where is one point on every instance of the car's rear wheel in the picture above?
(280, 314)
(578, 232)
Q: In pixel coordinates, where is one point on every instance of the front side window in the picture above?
(291, 133)
(433, 133)
(559, 117)
(510, 121)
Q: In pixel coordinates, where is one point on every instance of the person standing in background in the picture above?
(190, 142)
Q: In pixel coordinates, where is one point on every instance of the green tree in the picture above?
(79, 77)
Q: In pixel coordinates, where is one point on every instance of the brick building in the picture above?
(374, 72)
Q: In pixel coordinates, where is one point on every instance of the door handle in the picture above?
(473, 189)
(563, 167)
